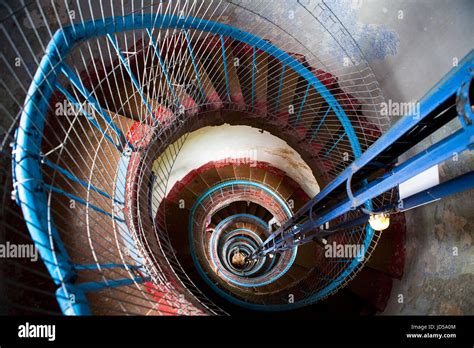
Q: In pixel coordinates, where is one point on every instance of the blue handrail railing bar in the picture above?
(89, 118)
(446, 88)
(93, 102)
(303, 101)
(193, 60)
(163, 67)
(326, 154)
(461, 183)
(71, 176)
(315, 132)
(82, 201)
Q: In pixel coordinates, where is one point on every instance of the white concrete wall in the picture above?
(226, 141)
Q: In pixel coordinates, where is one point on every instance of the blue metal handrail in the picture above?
(265, 281)
(29, 183)
(455, 83)
(261, 281)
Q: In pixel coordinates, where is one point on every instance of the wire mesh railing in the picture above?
(79, 76)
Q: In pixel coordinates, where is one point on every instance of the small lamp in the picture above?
(379, 222)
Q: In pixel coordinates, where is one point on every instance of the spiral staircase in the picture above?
(92, 169)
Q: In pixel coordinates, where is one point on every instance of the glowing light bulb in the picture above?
(379, 222)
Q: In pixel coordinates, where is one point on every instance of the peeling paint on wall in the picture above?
(376, 41)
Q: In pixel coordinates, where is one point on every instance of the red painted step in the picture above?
(373, 286)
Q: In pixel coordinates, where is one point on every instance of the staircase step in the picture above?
(243, 53)
(365, 130)
(286, 187)
(261, 212)
(125, 100)
(214, 65)
(307, 255)
(161, 89)
(185, 194)
(233, 209)
(257, 173)
(252, 208)
(225, 170)
(286, 106)
(347, 303)
(209, 174)
(177, 227)
(273, 177)
(348, 102)
(327, 79)
(194, 182)
(309, 111)
(241, 207)
(297, 272)
(242, 171)
(202, 81)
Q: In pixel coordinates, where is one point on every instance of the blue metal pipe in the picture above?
(446, 88)
(437, 153)
(461, 183)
